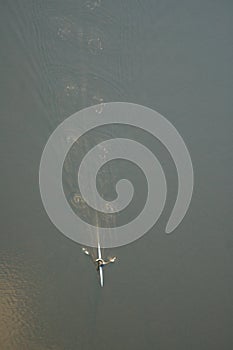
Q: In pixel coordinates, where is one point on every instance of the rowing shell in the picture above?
(101, 270)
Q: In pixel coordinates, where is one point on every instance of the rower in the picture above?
(101, 262)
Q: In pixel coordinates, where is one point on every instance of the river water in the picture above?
(165, 291)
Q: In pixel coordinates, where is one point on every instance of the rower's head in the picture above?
(100, 262)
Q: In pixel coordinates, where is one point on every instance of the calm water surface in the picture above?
(165, 292)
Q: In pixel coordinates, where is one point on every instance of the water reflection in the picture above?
(18, 289)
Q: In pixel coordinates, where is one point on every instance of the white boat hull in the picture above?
(101, 270)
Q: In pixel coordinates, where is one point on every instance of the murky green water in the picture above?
(164, 292)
